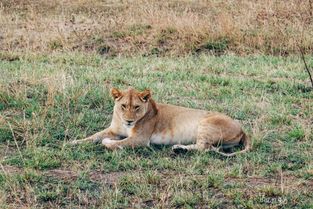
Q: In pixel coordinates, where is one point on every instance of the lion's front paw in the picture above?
(109, 143)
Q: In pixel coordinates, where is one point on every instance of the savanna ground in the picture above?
(59, 59)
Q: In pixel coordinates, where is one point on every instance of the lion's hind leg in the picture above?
(203, 140)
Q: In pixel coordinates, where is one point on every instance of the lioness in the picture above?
(138, 121)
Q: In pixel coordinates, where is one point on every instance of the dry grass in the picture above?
(157, 27)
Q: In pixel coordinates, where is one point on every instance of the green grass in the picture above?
(46, 101)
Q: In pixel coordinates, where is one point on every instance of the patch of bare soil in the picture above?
(107, 178)
(67, 175)
(6, 150)
(286, 183)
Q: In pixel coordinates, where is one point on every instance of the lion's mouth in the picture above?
(128, 125)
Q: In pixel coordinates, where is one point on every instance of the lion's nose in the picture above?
(129, 121)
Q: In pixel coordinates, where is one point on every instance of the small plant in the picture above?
(296, 134)
(56, 44)
(103, 49)
(217, 46)
(185, 200)
(214, 180)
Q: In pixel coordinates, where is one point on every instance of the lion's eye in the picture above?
(137, 108)
(123, 106)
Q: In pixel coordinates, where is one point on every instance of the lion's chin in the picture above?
(128, 126)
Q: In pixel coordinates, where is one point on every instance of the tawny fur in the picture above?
(138, 121)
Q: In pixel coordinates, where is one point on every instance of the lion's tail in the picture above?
(245, 140)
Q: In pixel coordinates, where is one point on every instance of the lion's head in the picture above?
(130, 105)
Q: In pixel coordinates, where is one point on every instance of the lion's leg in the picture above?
(107, 133)
(138, 137)
(127, 142)
(205, 138)
(201, 145)
(198, 146)
(212, 137)
(177, 147)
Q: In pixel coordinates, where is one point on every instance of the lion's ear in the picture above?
(116, 94)
(145, 95)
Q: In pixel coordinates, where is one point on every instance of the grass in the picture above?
(162, 28)
(48, 100)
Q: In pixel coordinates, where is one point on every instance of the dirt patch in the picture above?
(286, 183)
(107, 178)
(9, 170)
(6, 150)
(68, 175)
